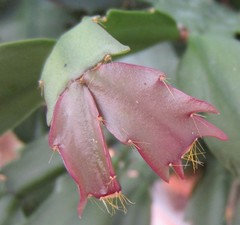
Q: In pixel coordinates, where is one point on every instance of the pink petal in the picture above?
(141, 109)
(77, 135)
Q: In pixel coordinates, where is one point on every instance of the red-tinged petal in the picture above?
(140, 108)
(77, 135)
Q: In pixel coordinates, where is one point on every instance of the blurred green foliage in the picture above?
(211, 66)
(20, 66)
(206, 65)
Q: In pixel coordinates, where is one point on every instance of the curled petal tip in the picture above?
(207, 129)
(198, 106)
(81, 205)
(213, 109)
(223, 136)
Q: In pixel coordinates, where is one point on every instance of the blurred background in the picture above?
(34, 186)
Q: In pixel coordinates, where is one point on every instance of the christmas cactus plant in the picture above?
(99, 101)
(135, 103)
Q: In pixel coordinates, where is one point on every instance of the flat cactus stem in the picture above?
(76, 134)
(139, 108)
(78, 50)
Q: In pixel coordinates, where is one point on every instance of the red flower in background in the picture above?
(140, 109)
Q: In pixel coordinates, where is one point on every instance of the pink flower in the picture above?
(140, 109)
(76, 134)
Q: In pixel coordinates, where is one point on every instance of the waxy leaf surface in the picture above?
(76, 133)
(60, 207)
(207, 204)
(140, 29)
(142, 110)
(76, 51)
(9, 211)
(20, 68)
(32, 168)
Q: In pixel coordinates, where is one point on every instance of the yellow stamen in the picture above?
(93, 200)
(100, 119)
(107, 58)
(152, 10)
(81, 81)
(96, 19)
(99, 19)
(104, 19)
(41, 86)
(116, 201)
(193, 153)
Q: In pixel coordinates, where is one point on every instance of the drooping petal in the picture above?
(77, 135)
(141, 109)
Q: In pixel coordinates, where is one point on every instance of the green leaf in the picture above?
(33, 127)
(210, 71)
(34, 198)
(32, 168)
(3, 189)
(79, 49)
(61, 207)
(3, 4)
(20, 67)
(140, 29)
(235, 4)
(90, 6)
(201, 16)
(10, 213)
(43, 19)
(207, 205)
(32, 19)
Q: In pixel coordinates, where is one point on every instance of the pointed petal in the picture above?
(139, 107)
(81, 204)
(205, 128)
(196, 105)
(77, 135)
